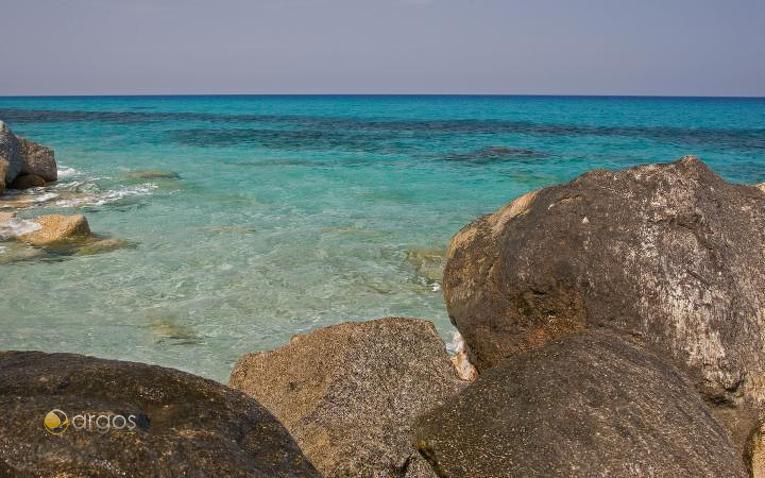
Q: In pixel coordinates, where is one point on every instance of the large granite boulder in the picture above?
(589, 405)
(182, 425)
(671, 253)
(349, 393)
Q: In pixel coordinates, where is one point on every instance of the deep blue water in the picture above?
(293, 212)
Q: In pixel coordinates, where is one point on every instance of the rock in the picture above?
(38, 160)
(57, 228)
(664, 252)
(349, 393)
(6, 216)
(3, 170)
(101, 246)
(10, 153)
(755, 453)
(588, 405)
(184, 425)
(761, 186)
(27, 181)
(429, 263)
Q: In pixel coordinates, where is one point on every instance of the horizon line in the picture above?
(518, 95)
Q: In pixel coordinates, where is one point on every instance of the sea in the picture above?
(248, 219)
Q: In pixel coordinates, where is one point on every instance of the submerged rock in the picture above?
(153, 174)
(27, 181)
(350, 392)
(429, 263)
(58, 228)
(588, 405)
(184, 425)
(668, 253)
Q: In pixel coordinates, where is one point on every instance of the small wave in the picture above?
(99, 199)
(65, 172)
(17, 227)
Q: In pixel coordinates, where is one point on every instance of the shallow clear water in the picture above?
(290, 213)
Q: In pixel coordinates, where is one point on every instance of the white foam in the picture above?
(106, 197)
(67, 172)
(457, 345)
(17, 227)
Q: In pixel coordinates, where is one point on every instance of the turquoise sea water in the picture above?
(290, 213)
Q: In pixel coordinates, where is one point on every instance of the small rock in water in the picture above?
(153, 174)
(429, 263)
(38, 160)
(57, 228)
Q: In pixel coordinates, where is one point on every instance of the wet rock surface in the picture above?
(589, 405)
(185, 425)
(349, 393)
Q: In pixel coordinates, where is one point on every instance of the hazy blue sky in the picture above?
(666, 47)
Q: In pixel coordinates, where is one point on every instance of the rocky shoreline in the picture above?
(616, 324)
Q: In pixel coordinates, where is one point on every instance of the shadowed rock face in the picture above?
(187, 426)
(670, 253)
(589, 405)
(349, 393)
(10, 154)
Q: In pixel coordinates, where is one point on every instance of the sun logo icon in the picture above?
(56, 422)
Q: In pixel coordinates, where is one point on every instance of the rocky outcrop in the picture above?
(349, 393)
(20, 156)
(588, 405)
(755, 452)
(669, 253)
(57, 228)
(183, 425)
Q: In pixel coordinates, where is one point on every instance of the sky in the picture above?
(578, 47)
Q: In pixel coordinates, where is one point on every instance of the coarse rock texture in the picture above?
(57, 228)
(589, 405)
(349, 393)
(38, 160)
(755, 453)
(10, 153)
(27, 181)
(3, 170)
(671, 253)
(6, 216)
(187, 426)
